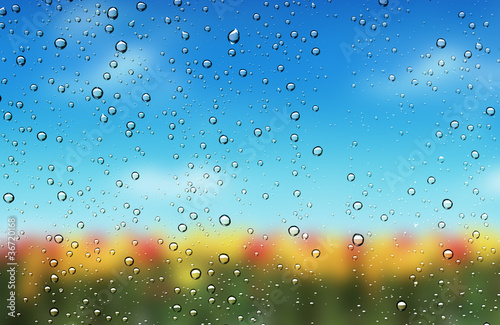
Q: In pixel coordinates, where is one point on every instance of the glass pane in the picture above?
(249, 162)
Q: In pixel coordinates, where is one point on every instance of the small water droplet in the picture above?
(316, 253)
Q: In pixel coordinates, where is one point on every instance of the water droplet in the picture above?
(475, 234)
(316, 253)
(224, 220)
(357, 205)
(441, 43)
(20, 60)
(141, 6)
(447, 204)
(231, 300)
(224, 258)
(61, 196)
(177, 308)
(121, 46)
(7, 116)
(223, 139)
(490, 111)
(293, 230)
(185, 35)
(233, 36)
(431, 180)
(173, 246)
(8, 197)
(474, 154)
(315, 51)
(358, 239)
(60, 43)
(58, 238)
(351, 177)
(290, 86)
(135, 176)
(207, 64)
(54, 311)
(129, 261)
(112, 13)
(317, 151)
(97, 93)
(42, 136)
(401, 305)
(195, 274)
(448, 254)
(411, 191)
(441, 224)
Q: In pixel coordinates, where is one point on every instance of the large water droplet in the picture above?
(448, 254)
(97, 93)
(441, 43)
(358, 239)
(8, 197)
(112, 13)
(317, 151)
(447, 204)
(42, 136)
(195, 273)
(54, 311)
(401, 305)
(129, 261)
(20, 60)
(61, 196)
(121, 46)
(233, 36)
(60, 43)
(141, 6)
(224, 258)
(490, 111)
(293, 230)
(225, 220)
